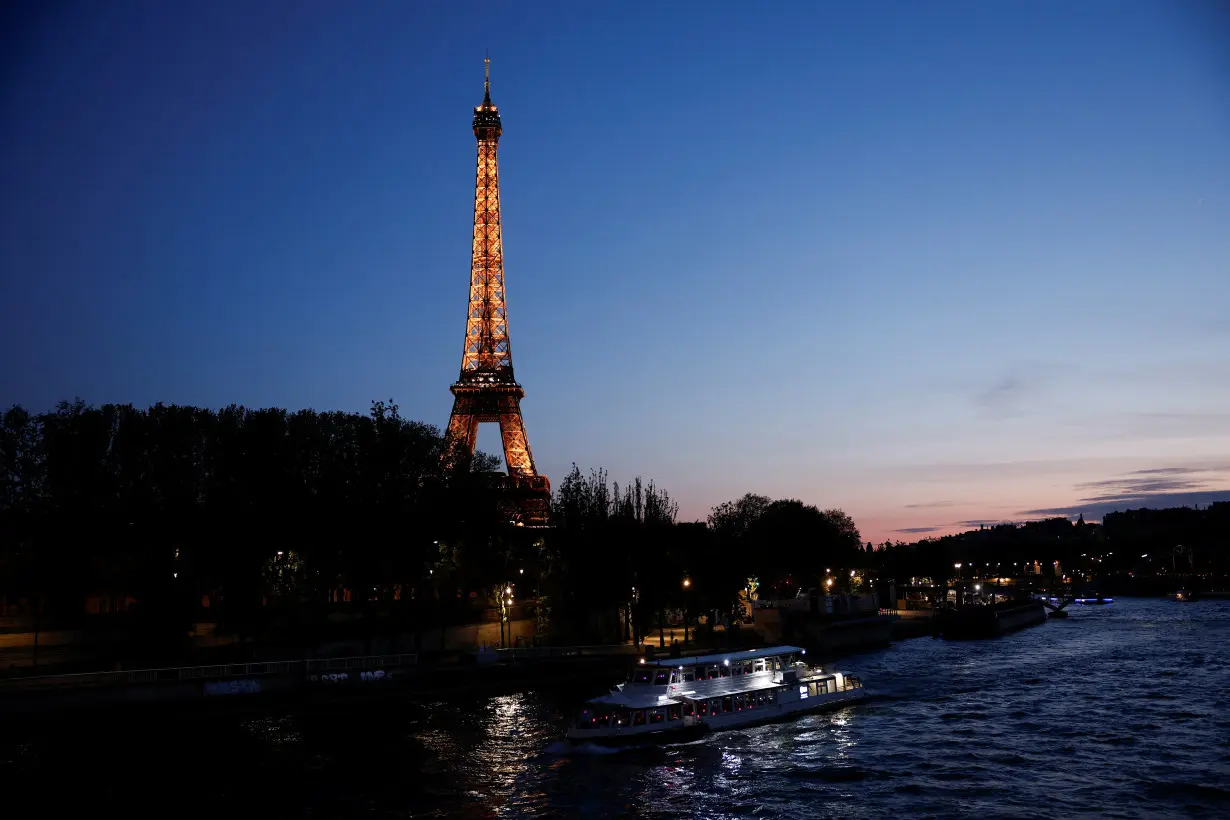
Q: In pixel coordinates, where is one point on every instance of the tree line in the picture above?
(1132, 544)
(268, 514)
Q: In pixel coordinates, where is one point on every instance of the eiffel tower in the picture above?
(486, 390)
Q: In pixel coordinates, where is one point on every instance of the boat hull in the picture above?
(989, 622)
(770, 713)
(657, 737)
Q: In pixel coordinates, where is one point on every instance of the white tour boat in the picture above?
(677, 699)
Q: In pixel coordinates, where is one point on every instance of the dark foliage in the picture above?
(269, 518)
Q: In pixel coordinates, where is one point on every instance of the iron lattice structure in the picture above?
(486, 390)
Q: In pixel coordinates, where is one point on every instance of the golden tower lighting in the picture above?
(486, 390)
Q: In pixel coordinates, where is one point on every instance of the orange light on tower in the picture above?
(486, 390)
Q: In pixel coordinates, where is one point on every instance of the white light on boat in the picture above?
(727, 661)
(642, 660)
(804, 652)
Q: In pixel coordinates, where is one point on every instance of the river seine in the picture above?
(1120, 711)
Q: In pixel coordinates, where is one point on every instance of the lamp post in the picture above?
(687, 585)
(506, 602)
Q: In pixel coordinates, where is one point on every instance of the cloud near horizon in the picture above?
(1156, 488)
(1096, 509)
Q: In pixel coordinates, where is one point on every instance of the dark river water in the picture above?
(1119, 711)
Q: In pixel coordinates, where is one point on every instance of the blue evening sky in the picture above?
(931, 262)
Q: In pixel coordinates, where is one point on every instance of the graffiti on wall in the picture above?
(343, 677)
(243, 686)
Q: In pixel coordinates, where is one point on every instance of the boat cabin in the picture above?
(714, 667)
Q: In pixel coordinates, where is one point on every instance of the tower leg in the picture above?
(462, 435)
(516, 443)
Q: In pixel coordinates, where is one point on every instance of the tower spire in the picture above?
(487, 81)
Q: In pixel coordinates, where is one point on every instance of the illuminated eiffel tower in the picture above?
(486, 390)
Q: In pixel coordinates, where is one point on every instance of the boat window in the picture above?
(758, 666)
(811, 689)
(672, 712)
(822, 687)
(728, 704)
(753, 700)
(638, 717)
(702, 708)
(724, 671)
(687, 708)
(747, 668)
(586, 719)
(661, 678)
(740, 702)
(641, 676)
(737, 669)
(620, 718)
(656, 716)
(689, 675)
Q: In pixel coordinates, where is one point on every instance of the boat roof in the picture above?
(721, 657)
(721, 690)
(642, 698)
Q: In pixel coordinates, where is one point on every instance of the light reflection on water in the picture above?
(1120, 711)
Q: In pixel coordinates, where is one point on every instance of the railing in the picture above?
(566, 651)
(360, 662)
(194, 673)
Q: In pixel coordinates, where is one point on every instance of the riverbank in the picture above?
(363, 677)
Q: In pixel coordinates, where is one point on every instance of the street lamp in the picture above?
(687, 584)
